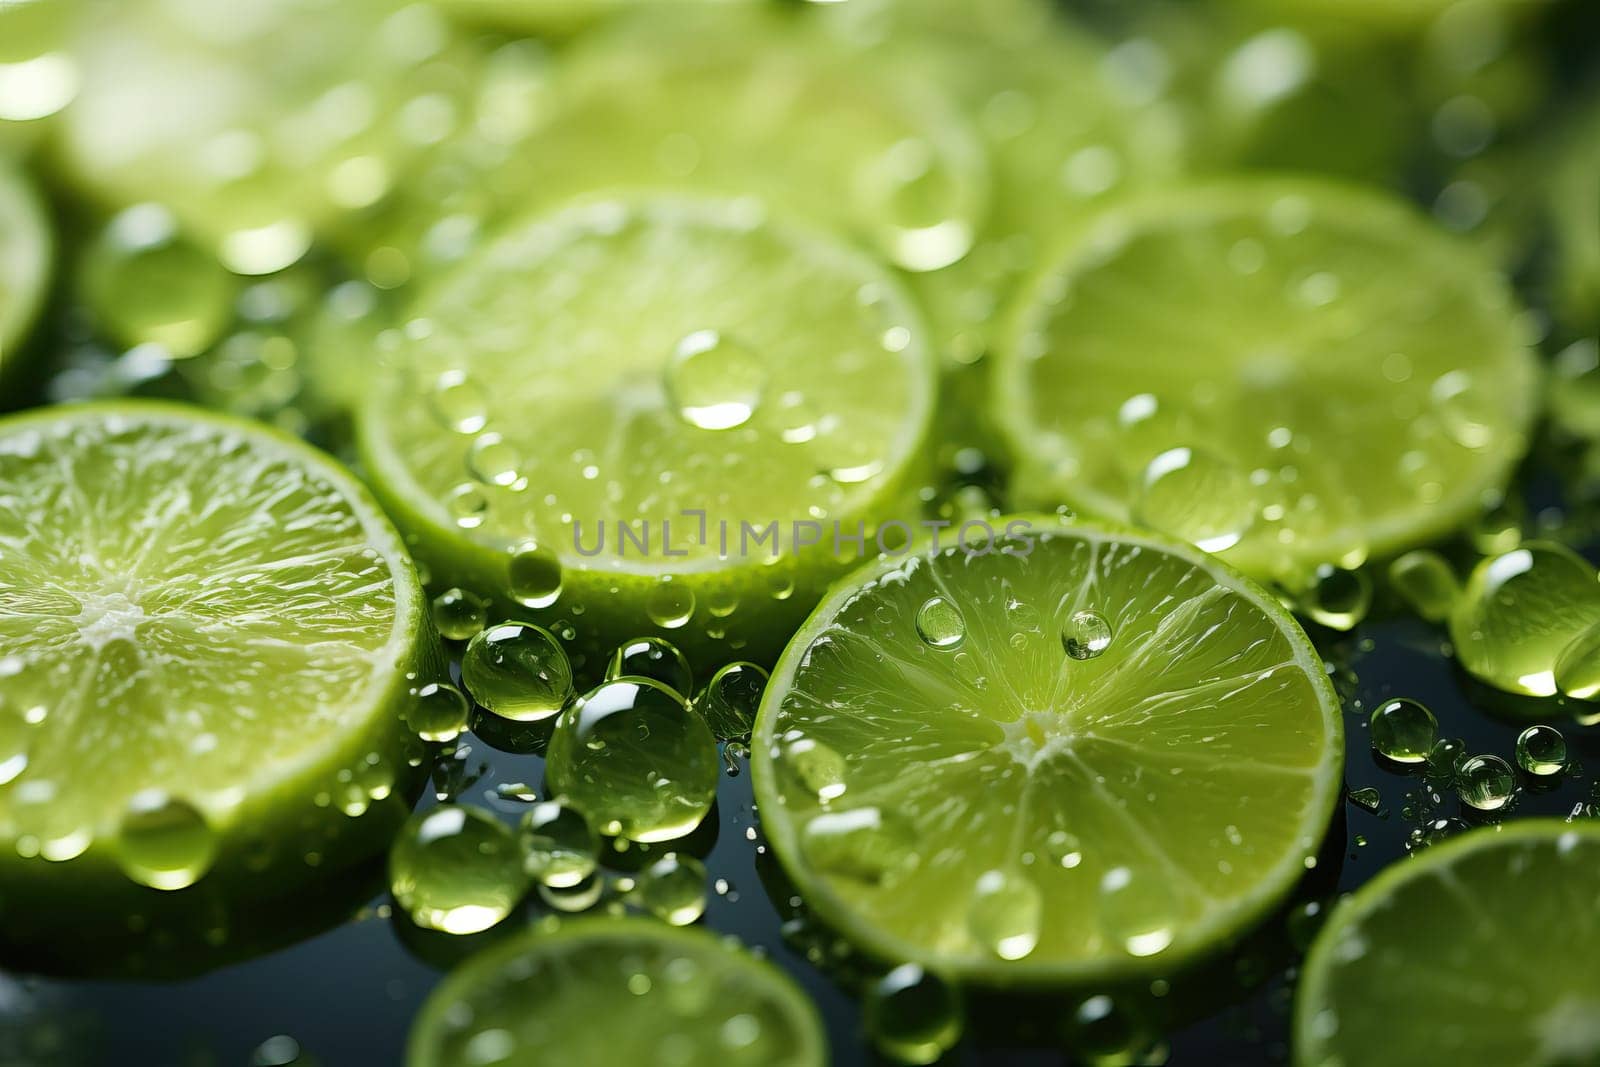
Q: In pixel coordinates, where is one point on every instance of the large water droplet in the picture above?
(1086, 635)
(459, 614)
(456, 869)
(1486, 783)
(939, 623)
(670, 604)
(458, 403)
(868, 845)
(1403, 731)
(164, 842)
(534, 573)
(559, 847)
(518, 671)
(1198, 497)
(652, 657)
(1005, 913)
(729, 702)
(1137, 911)
(1542, 751)
(438, 712)
(1520, 612)
(713, 381)
(673, 889)
(913, 1016)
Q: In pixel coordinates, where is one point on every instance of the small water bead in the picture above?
(459, 614)
(652, 657)
(438, 712)
(456, 869)
(1486, 783)
(1542, 751)
(635, 758)
(729, 702)
(535, 577)
(670, 604)
(1005, 913)
(559, 847)
(713, 382)
(1064, 849)
(458, 403)
(1086, 635)
(467, 506)
(518, 671)
(1197, 497)
(1445, 759)
(819, 768)
(913, 1016)
(1338, 599)
(940, 625)
(1367, 799)
(1520, 613)
(494, 461)
(1403, 731)
(673, 889)
(1426, 582)
(164, 842)
(1137, 913)
(573, 899)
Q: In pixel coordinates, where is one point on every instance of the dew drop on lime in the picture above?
(1086, 635)
(1064, 849)
(1004, 914)
(870, 845)
(729, 701)
(467, 506)
(559, 847)
(458, 403)
(913, 1016)
(1136, 911)
(1197, 497)
(673, 889)
(518, 671)
(1338, 599)
(164, 842)
(535, 577)
(1542, 751)
(713, 381)
(911, 202)
(940, 625)
(670, 605)
(1519, 613)
(494, 461)
(655, 658)
(1403, 731)
(438, 712)
(820, 770)
(456, 869)
(633, 757)
(1486, 783)
(1426, 582)
(459, 614)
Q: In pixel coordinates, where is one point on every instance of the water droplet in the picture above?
(493, 460)
(164, 842)
(1197, 497)
(913, 1016)
(1426, 582)
(1542, 751)
(458, 403)
(1064, 849)
(730, 700)
(1497, 531)
(670, 604)
(438, 712)
(1520, 612)
(1577, 669)
(459, 614)
(456, 869)
(573, 899)
(518, 671)
(1468, 411)
(1367, 799)
(1005, 913)
(820, 769)
(1486, 783)
(940, 625)
(673, 889)
(1338, 599)
(867, 845)
(635, 758)
(535, 576)
(1445, 759)
(559, 847)
(652, 657)
(909, 200)
(467, 506)
(1403, 731)
(1137, 913)
(1086, 635)
(713, 381)
(279, 1051)
(16, 736)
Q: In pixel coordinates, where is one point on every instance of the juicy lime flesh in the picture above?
(186, 605)
(617, 991)
(1321, 332)
(1155, 794)
(24, 261)
(1452, 957)
(812, 396)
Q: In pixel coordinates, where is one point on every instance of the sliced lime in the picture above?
(25, 251)
(1064, 754)
(208, 633)
(616, 991)
(686, 368)
(1287, 373)
(1480, 950)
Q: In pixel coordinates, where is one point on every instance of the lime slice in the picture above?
(616, 991)
(207, 636)
(1479, 950)
(1328, 377)
(25, 250)
(259, 129)
(686, 367)
(1066, 754)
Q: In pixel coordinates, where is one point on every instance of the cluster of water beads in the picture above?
(912, 1015)
(518, 671)
(456, 869)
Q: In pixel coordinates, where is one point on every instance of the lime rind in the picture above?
(1194, 940)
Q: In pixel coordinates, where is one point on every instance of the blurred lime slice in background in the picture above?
(593, 991)
(1067, 754)
(1289, 373)
(1574, 221)
(566, 16)
(654, 361)
(25, 254)
(1479, 950)
(208, 636)
(259, 125)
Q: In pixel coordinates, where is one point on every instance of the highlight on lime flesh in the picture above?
(728, 421)
(1081, 755)
(1219, 362)
(208, 636)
